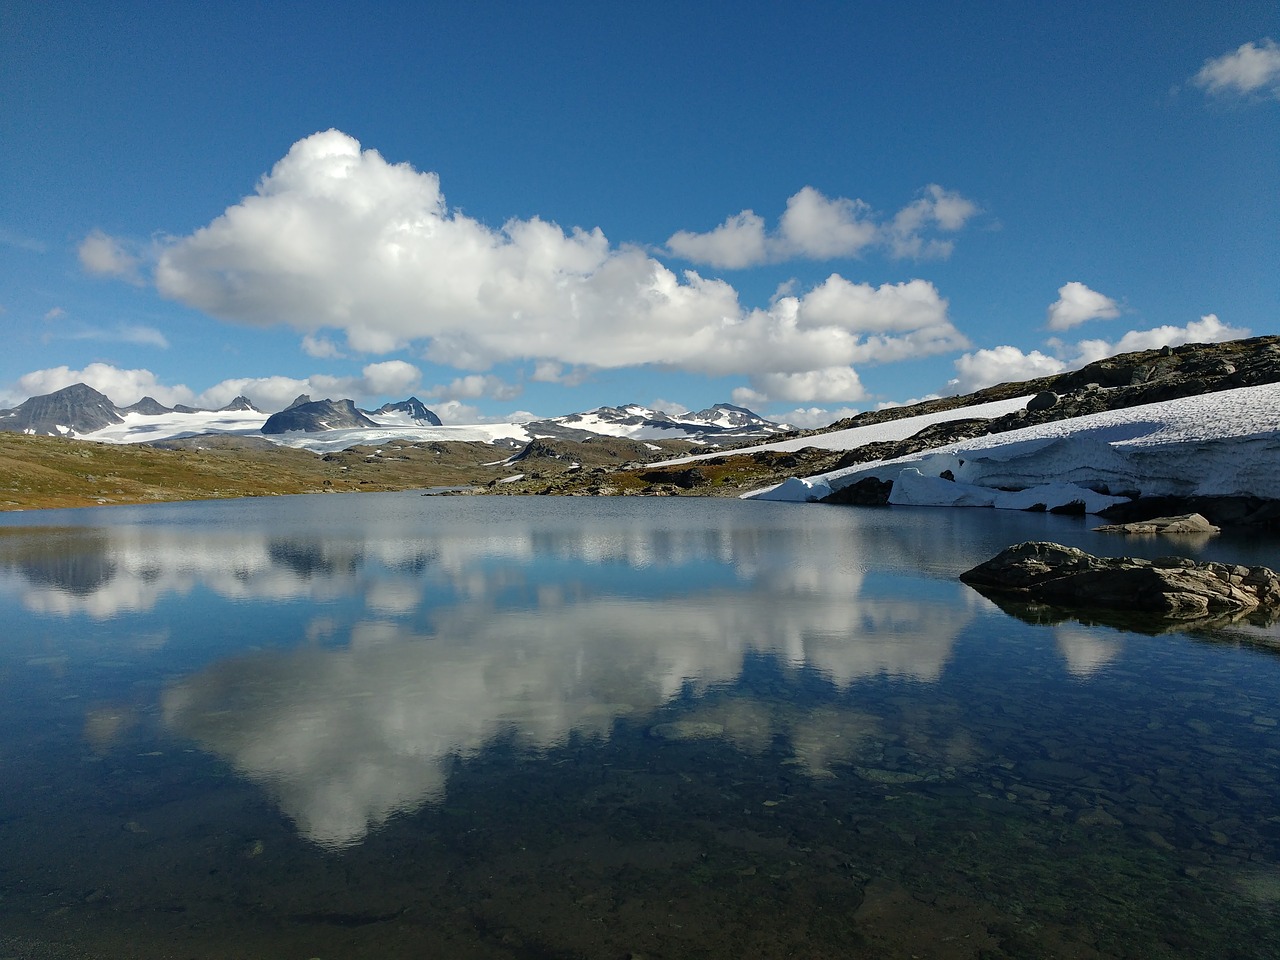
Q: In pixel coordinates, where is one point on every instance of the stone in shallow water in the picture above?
(1171, 588)
(1186, 523)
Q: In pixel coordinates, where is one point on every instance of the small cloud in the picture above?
(1077, 304)
(105, 256)
(811, 418)
(57, 313)
(18, 241)
(475, 386)
(1250, 68)
(322, 348)
(738, 242)
(670, 407)
(125, 333)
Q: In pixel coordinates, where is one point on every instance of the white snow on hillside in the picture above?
(874, 433)
(141, 428)
(331, 440)
(1216, 444)
(145, 428)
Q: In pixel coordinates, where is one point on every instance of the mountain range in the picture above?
(325, 425)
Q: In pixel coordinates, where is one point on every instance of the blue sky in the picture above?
(505, 209)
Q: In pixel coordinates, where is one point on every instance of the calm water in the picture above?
(394, 726)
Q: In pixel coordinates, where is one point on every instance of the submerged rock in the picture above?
(1170, 588)
(1187, 523)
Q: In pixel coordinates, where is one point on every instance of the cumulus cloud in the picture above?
(1077, 304)
(1208, 329)
(1250, 68)
(1003, 364)
(123, 387)
(821, 386)
(335, 237)
(738, 242)
(322, 348)
(818, 227)
(477, 385)
(811, 418)
(389, 378)
(105, 256)
(936, 209)
(983, 368)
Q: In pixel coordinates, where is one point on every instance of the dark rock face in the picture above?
(148, 406)
(316, 416)
(239, 403)
(867, 492)
(1170, 588)
(414, 408)
(76, 409)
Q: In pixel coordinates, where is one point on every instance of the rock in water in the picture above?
(1187, 523)
(1172, 588)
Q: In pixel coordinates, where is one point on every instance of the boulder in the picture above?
(1192, 523)
(1168, 588)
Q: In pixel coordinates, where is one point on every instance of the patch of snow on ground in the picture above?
(1216, 444)
(889, 430)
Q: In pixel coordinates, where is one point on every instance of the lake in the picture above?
(389, 725)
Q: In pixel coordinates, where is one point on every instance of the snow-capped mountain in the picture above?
(327, 425)
(718, 424)
(411, 412)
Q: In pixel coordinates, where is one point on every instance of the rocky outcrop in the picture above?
(315, 416)
(413, 408)
(1169, 588)
(73, 410)
(1187, 523)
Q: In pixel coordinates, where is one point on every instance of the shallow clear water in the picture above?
(394, 726)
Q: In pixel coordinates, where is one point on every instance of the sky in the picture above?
(513, 210)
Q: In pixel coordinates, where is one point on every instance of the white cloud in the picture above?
(984, 368)
(1077, 304)
(123, 387)
(822, 228)
(54, 313)
(322, 348)
(738, 242)
(671, 408)
(811, 418)
(394, 378)
(389, 377)
(335, 237)
(810, 386)
(455, 411)
(105, 256)
(1250, 68)
(1208, 329)
(477, 385)
(937, 208)
(124, 333)
(818, 227)
(267, 393)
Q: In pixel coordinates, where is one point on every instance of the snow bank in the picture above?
(1217, 444)
(889, 430)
